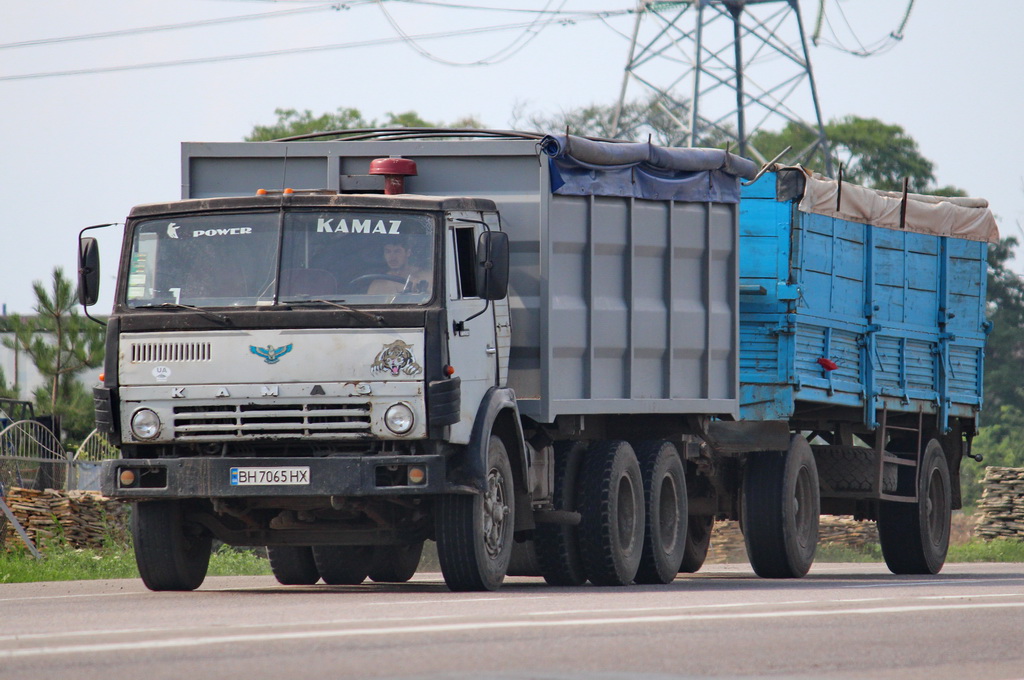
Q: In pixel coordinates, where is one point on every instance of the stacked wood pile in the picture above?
(1001, 509)
(84, 519)
(727, 541)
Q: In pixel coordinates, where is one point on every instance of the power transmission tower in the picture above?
(741, 64)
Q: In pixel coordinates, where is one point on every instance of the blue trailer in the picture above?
(862, 335)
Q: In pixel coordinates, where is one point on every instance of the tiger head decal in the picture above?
(396, 358)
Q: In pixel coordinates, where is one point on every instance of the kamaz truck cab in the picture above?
(311, 371)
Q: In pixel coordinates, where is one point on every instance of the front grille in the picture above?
(170, 352)
(210, 422)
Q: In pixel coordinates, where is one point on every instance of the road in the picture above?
(841, 621)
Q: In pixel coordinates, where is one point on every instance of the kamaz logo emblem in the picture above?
(270, 354)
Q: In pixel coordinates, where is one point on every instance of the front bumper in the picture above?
(171, 478)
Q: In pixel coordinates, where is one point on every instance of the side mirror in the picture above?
(492, 265)
(88, 271)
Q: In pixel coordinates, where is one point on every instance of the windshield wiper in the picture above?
(220, 318)
(377, 318)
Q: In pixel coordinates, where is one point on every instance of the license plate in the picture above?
(268, 476)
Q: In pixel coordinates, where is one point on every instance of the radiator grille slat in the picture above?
(222, 421)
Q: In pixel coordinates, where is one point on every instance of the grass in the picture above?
(974, 550)
(62, 563)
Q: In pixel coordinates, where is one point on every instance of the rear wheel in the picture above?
(915, 536)
(698, 540)
(171, 554)
(558, 545)
(665, 512)
(395, 563)
(293, 565)
(343, 565)
(781, 508)
(475, 532)
(612, 530)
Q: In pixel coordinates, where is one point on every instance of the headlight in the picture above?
(145, 424)
(399, 418)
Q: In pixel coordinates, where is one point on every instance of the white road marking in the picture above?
(32, 598)
(454, 600)
(943, 582)
(174, 643)
(215, 627)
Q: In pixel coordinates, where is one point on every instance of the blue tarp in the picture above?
(584, 167)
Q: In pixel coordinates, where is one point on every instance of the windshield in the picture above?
(344, 256)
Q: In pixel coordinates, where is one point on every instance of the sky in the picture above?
(91, 126)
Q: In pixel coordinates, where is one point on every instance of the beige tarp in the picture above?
(966, 218)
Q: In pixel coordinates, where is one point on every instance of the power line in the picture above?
(503, 54)
(880, 46)
(173, 27)
(275, 53)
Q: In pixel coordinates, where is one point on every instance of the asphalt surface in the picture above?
(841, 621)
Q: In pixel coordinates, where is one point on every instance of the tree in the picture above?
(61, 344)
(999, 444)
(7, 391)
(639, 120)
(1004, 349)
(291, 122)
(872, 153)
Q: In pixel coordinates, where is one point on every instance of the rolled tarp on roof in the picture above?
(585, 167)
(966, 218)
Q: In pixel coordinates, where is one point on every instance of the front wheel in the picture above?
(475, 532)
(915, 536)
(171, 554)
(781, 508)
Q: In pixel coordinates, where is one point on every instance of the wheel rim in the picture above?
(803, 508)
(495, 510)
(668, 514)
(626, 514)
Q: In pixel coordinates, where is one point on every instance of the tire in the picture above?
(475, 532)
(665, 512)
(915, 536)
(558, 545)
(852, 468)
(395, 563)
(293, 565)
(171, 554)
(343, 565)
(781, 508)
(698, 540)
(612, 530)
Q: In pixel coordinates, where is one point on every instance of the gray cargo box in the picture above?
(620, 305)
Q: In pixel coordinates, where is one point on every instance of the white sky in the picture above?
(82, 149)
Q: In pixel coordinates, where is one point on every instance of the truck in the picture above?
(551, 355)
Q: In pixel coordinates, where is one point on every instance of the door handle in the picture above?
(490, 349)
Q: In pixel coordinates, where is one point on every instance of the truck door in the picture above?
(472, 348)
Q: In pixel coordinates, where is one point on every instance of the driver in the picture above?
(403, 275)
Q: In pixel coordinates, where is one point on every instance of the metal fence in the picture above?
(32, 457)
